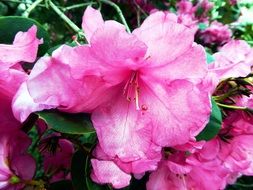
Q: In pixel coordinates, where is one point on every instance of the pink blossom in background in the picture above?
(190, 14)
(134, 90)
(236, 147)
(15, 164)
(234, 59)
(216, 33)
(57, 164)
(200, 169)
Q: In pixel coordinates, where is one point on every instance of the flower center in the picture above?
(132, 91)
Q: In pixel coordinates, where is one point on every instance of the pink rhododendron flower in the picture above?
(57, 164)
(15, 164)
(236, 141)
(140, 97)
(216, 33)
(190, 14)
(198, 170)
(234, 59)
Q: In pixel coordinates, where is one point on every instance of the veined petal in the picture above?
(23, 104)
(193, 61)
(108, 172)
(24, 48)
(123, 131)
(114, 47)
(178, 110)
(166, 39)
(140, 166)
(92, 20)
(234, 60)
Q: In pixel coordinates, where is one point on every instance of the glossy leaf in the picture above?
(213, 126)
(67, 123)
(14, 24)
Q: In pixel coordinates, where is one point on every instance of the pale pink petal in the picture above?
(193, 61)
(24, 48)
(108, 172)
(23, 104)
(11, 80)
(233, 60)
(170, 109)
(140, 166)
(92, 20)
(123, 131)
(51, 83)
(122, 49)
(165, 38)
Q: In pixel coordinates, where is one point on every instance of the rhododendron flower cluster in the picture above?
(117, 109)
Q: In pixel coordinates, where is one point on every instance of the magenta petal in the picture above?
(108, 172)
(24, 166)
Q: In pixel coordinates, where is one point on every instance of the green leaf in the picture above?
(78, 174)
(61, 185)
(202, 26)
(214, 125)
(66, 122)
(209, 58)
(11, 25)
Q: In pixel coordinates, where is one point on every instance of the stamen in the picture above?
(132, 88)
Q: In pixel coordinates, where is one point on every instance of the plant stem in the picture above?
(64, 17)
(77, 6)
(31, 7)
(119, 12)
(231, 107)
(20, 1)
(243, 185)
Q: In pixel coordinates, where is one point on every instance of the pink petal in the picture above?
(62, 90)
(166, 39)
(123, 131)
(108, 172)
(234, 60)
(193, 61)
(24, 48)
(23, 104)
(178, 110)
(163, 179)
(92, 20)
(122, 49)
